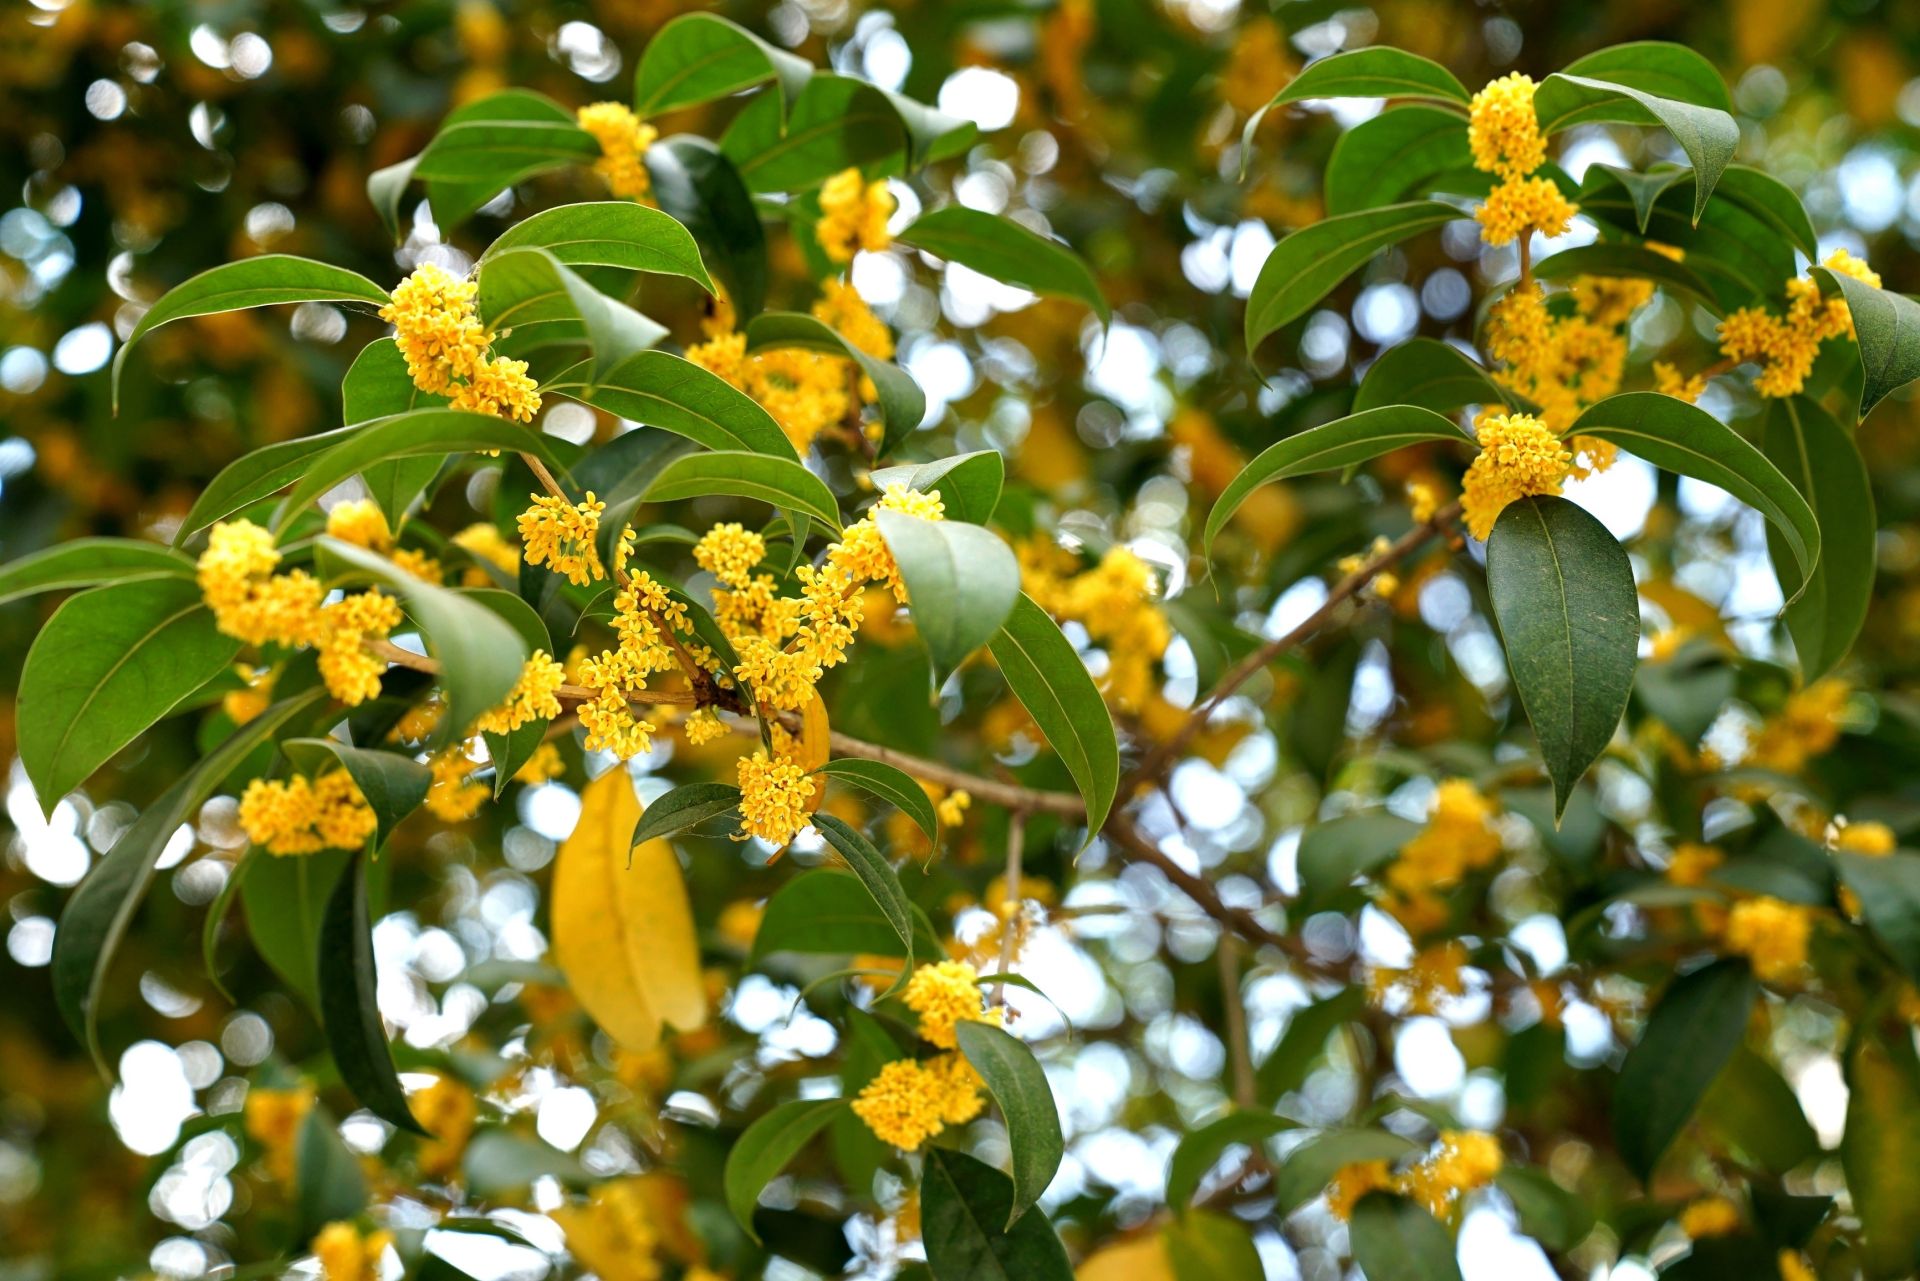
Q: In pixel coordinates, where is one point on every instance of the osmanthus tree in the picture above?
(438, 606)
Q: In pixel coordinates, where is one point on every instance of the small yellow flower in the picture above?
(1503, 130)
(561, 535)
(944, 995)
(346, 1254)
(1353, 1181)
(1693, 864)
(299, 816)
(1876, 840)
(1522, 206)
(273, 1119)
(1519, 456)
(853, 215)
(531, 699)
(361, 522)
(623, 140)
(1772, 935)
(773, 797)
(729, 552)
(902, 1105)
(1712, 1216)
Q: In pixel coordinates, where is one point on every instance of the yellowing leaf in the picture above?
(811, 746)
(623, 933)
(1143, 1258)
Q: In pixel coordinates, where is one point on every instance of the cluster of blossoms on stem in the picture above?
(624, 139)
(1459, 838)
(1460, 1162)
(1115, 601)
(911, 1100)
(1436, 975)
(447, 348)
(346, 1254)
(853, 216)
(1504, 134)
(302, 816)
(273, 1119)
(1785, 347)
(1519, 456)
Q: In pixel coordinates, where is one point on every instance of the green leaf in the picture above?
(694, 182)
(1556, 1218)
(546, 303)
(1659, 67)
(1736, 252)
(892, 785)
(1774, 203)
(100, 909)
(254, 476)
(1396, 1240)
(609, 233)
(285, 899)
(1330, 447)
(1752, 1107)
(875, 873)
(962, 1202)
(1889, 891)
(1378, 72)
(1822, 461)
(1008, 252)
(89, 562)
(621, 472)
(480, 654)
(902, 403)
(499, 1163)
(698, 57)
(1610, 258)
(1699, 1023)
(394, 785)
(251, 282)
(836, 123)
(379, 386)
(108, 664)
(779, 481)
(1876, 1150)
(1687, 440)
(1394, 155)
(764, 1148)
(1308, 1168)
(1887, 331)
(503, 138)
(327, 1177)
(829, 913)
(385, 190)
(968, 484)
(1562, 589)
(1200, 1149)
(349, 1004)
(1643, 189)
(1210, 1246)
(420, 433)
(1047, 676)
(1019, 1085)
(1429, 374)
(679, 396)
(1305, 1040)
(688, 805)
(1333, 853)
(509, 751)
(961, 583)
(1305, 266)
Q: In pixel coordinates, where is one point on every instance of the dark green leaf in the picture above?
(779, 481)
(1644, 189)
(1047, 676)
(546, 303)
(962, 1203)
(1699, 1023)
(765, 1147)
(1887, 331)
(1752, 1107)
(609, 233)
(1210, 1246)
(329, 1183)
(968, 484)
(1333, 853)
(1882, 1134)
(1610, 258)
(1610, 89)
(1396, 1240)
(379, 386)
(501, 139)
(1378, 72)
(679, 396)
(836, 123)
(1394, 155)
(698, 57)
(829, 913)
(1889, 891)
(1821, 460)
(961, 583)
(89, 562)
(695, 183)
(902, 403)
(1201, 1148)
(875, 873)
(1430, 374)
(1551, 1215)
(1305, 1040)
(1008, 252)
(285, 900)
(349, 1004)
(892, 785)
(1774, 203)
(687, 805)
(1018, 1084)
(394, 785)
(1305, 266)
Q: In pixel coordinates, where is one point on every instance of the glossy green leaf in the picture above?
(692, 180)
(1429, 374)
(1643, 189)
(1330, 447)
(891, 784)
(686, 806)
(1305, 266)
(1657, 66)
(1562, 589)
(961, 583)
(962, 1203)
(968, 484)
(609, 233)
(1394, 155)
(875, 873)
(379, 386)
(1556, 1218)
(255, 476)
(1018, 1084)
(1200, 1149)
(107, 665)
(329, 1185)
(1378, 72)
(1308, 1168)
(284, 898)
(1751, 1107)
(902, 403)
(89, 562)
(499, 1163)
(545, 303)
(349, 1004)
(1611, 258)
(1333, 853)
(1822, 461)
(1889, 891)
(779, 481)
(825, 913)
(1876, 1150)
(1046, 675)
(1008, 252)
(503, 138)
(1396, 1240)
(394, 785)
(1698, 1024)
(1738, 254)
(764, 1148)
(386, 188)
(251, 282)
(1688, 441)
(698, 57)
(1774, 203)
(835, 123)
(679, 396)
(1887, 332)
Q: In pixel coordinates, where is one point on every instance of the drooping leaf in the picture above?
(1643, 189)
(1377, 72)
(108, 664)
(394, 785)
(284, 899)
(1007, 252)
(679, 396)
(1887, 334)
(89, 562)
(1305, 266)
(386, 188)
(875, 873)
(1396, 1240)
(693, 180)
(962, 1203)
(961, 583)
(779, 481)
(1394, 155)
(1018, 1084)
(902, 403)
(1329, 447)
(623, 930)
(890, 784)
(251, 282)
(1562, 590)
(609, 233)
(487, 145)
(698, 57)
(829, 913)
(686, 806)
(968, 484)
(1200, 1149)
(1556, 1218)
(349, 1005)
(1691, 1034)
(1737, 253)
(329, 1184)
(764, 1148)
(545, 303)
(1822, 461)
(1308, 1168)
(1751, 1107)
(1876, 1150)
(835, 123)
(1047, 676)
(1429, 374)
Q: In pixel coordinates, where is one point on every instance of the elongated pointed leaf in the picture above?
(1019, 1085)
(1687, 440)
(902, 403)
(1395, 155)
(779, 481)
(835, 123)
(1008, 252)
(1774, 203)
(1305, 1042)
(1606, 92)
(875, 873)
(698, 57)
(1698, 1024)
(500, 139)
(1333, 853)
(1396, 1240)
(609, 233)
(1562, 590)
(285, 901)
(961, 583)
(1428, 374)
(1888, 888)
(688, 805)
(1883, 1125)
(763, 1150)
(1047, 676)
(350, 1007)
(1201, 1148)
(1378, 72)
(545, 303)
(386, 188)
(892, 785)
(695, 182)
(251, 282)
(1329, 447)
(1658, 66)
(394, 785)
(968, 484)
(108, 664)
(1308, 1168)
(1305, 266)
(962, 1203)
(1631, 261)
(1887, 332)
(1824, 464)
(329, 1184)
(829, 913)
(679, 396)
(89, 562)
(379, 386)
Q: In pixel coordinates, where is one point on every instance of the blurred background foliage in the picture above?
(147, 141)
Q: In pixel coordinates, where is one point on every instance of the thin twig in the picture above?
(1239, 1050)
(392, 653)
(1012, 796)
(1011, 905)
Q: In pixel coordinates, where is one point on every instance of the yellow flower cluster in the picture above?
(730, 552)
(614, 1234)
(853, 215)
(447, 1111)
(455, 795)
(642, 609)
(299, 816)
(1565, 362)
(484, 543)
(1771, 934)
(623, 140)
(273, 1119)
(1459, 837)
(951, 809)
(910, 1101)
(532, 698)
(1875, 840)
(1693, 864)
(773, 797)
(249, 601)
(1428, 984)
(560, 535)
(351, 673)
(945, 995)
(346, 1254)
(1504, 135)
(1669, 381)
(1806, 727)
(1115, 601)
(1519, 456)
(446, 347)
(1463, 1160)
(361, 522)
(1785, 347)
(1710, 1216)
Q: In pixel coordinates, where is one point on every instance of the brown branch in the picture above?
(1239, 1049)
(1011, 906)
(1021, 800)
(392, 653)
